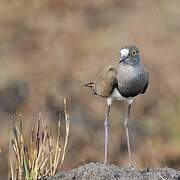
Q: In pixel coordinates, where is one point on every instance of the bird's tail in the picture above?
(89, 84)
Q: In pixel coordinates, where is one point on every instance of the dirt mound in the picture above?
(97, 171)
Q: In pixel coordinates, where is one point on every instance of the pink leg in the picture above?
(106, 128)
(127, 133)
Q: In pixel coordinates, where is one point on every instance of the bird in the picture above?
(122, 80)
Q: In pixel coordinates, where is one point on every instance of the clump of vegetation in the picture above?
(42, 156)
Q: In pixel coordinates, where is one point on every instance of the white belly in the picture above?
(117, 96)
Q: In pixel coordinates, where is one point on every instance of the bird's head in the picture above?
(129, 55)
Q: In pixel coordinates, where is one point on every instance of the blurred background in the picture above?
(48, 48)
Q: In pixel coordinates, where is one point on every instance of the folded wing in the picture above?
(106, 81)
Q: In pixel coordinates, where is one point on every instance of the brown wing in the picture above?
(106, 80)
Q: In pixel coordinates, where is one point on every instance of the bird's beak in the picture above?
(122, 59)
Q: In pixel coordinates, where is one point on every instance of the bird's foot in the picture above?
(105, 162)
(130, 166)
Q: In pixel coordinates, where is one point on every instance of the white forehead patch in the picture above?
(124, 52)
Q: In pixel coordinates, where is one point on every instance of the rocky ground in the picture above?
(97, 171)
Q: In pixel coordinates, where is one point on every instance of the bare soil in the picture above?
(98, 171)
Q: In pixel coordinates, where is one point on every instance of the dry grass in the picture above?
(43, 156)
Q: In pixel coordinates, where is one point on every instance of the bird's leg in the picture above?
(127, 133)
(106, 128)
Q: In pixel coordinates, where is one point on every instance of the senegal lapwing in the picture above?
(123, 80)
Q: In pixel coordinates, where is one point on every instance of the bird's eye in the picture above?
(133, 52)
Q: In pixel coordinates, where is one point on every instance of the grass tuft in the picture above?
(42, 157)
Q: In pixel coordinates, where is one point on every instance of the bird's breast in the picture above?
(131, 80)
